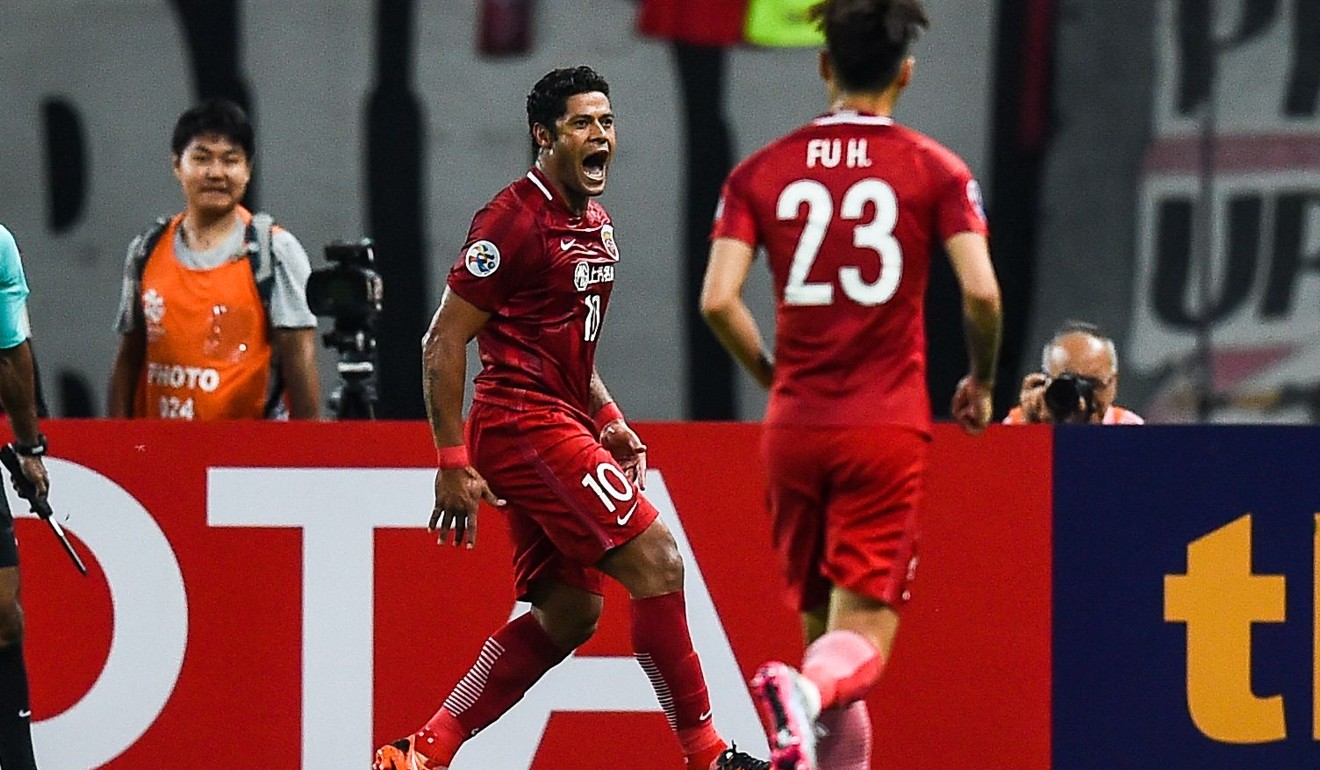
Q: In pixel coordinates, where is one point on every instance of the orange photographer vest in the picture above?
(208, 343)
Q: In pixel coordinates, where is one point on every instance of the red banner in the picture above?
(265, 595)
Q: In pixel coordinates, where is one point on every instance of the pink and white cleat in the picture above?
(788, 715)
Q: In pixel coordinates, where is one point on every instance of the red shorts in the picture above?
(568, 500)
(844, 503)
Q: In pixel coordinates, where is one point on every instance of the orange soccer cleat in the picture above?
(400, 755)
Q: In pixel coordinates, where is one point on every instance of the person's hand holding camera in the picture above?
(1031, 398)
(1066, 399)
(1077, 382)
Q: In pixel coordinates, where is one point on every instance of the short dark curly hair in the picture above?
(548, 100)
(868, 39)
(219, 117)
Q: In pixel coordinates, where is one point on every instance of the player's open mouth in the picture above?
(595, 165)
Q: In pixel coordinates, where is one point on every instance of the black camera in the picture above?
(351, 292)
(1071, 398)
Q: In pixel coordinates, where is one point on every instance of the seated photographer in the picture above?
(1077, 384)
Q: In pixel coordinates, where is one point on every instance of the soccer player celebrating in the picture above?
(546, 442)
(848, 209)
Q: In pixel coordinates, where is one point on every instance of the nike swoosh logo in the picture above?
(704, 717)
(567, 243)
(624, 519)
(24, 714)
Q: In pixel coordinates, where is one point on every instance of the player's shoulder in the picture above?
(510, 196)
(520, 199)
(930, 150)
(595, 214)
(764, 163)
(10, 263)
(11, 267)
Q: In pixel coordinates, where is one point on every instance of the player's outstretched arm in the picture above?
(727, 314)
(459, 489)
(982, 327)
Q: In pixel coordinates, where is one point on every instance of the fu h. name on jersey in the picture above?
(849, 209)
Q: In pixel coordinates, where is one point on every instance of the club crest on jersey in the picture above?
(607, 239)
(586, 274)
(482, 259)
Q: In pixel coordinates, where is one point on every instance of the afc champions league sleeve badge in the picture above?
(482, 258)
(974, 198)
(607, 240)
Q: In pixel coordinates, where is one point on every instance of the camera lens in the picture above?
(1069, 397)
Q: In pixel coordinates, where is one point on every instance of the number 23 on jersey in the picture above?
(875, 235)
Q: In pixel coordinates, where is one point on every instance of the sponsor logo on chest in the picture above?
(585, 275)
(585, 243)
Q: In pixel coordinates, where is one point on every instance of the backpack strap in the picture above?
(261, 257)
(260, 254)
(145, 243)
(141, 247)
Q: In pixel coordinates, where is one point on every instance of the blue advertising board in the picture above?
(1184, 597)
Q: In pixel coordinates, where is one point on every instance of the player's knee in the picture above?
(653, 563)
(666, 567)
(647, 565)
(579, 632)
(570, 630)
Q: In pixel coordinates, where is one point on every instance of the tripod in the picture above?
(355, 398)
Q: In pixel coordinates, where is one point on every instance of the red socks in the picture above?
(519, 654)
(663, 647)
(844, 666)
(847, 746)
(511, 661)
(704, 758)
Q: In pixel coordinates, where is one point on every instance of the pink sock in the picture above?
(511, 661)
(844, 665)
(847, 746)
(664, 648)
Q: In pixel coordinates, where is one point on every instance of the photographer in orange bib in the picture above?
(213, 317)
(1077, 383)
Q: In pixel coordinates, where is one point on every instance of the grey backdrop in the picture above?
(308, 63)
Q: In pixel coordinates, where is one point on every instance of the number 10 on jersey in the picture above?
(591, 329)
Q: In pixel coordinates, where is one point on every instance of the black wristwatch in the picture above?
(31, 450)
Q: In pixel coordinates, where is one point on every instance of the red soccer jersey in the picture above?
(544, 274)
(849, 209)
